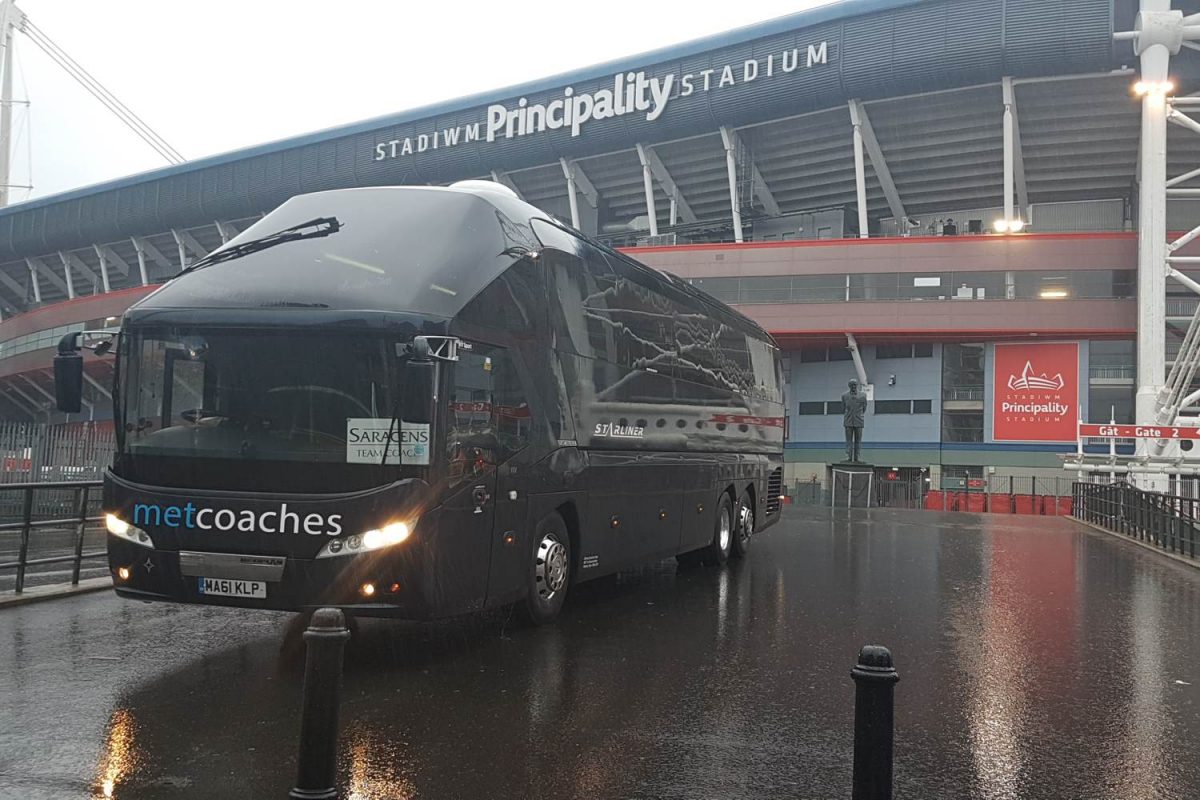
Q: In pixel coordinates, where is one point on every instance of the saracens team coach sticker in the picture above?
(405, 442)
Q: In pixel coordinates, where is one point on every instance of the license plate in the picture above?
(231, 588)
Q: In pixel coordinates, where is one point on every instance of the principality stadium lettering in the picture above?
(631, 93)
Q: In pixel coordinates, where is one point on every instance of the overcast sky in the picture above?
(219, 75)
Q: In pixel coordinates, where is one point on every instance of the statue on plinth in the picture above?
(854, 410)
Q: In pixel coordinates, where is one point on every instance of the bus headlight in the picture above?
(123, 530)
(391, 534)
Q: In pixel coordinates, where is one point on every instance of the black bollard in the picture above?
(875, 680)
(316, 770)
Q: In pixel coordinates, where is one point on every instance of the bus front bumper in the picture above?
(364, 585)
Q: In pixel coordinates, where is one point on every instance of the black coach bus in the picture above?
(418, 402)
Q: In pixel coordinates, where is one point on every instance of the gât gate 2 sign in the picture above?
(1036, 392)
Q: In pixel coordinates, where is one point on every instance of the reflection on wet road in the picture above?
(1036, 660)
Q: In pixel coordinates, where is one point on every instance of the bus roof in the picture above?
(415, 249)
(426, 251)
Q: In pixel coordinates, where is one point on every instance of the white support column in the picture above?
(225, 231)
(862, 120)
(20, 293)
(72, 261)
(1009, 151)
(34, 404)
(648, 188)
(679, 204)
(103, 257)
(66, 265)
(47, 273)
(569, 173)
(37, 388)
(860, 175)
(115, 261)
(32, 411)
(141, 258)
(1155, 44)
(859, 367)
(182, 249)
(730, 141)
(9, 15)
(34, 282)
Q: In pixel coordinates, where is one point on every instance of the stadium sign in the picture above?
(1035, 394)
(631, 93)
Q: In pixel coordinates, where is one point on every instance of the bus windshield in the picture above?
(264, 410)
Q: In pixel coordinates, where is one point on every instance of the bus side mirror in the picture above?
(68, 375)
(416, 387)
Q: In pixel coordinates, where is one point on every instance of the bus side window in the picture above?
(489, 417)
(510, 409)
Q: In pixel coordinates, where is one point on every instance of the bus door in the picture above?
(472, 453)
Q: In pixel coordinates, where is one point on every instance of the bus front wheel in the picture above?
(717, 552)
(743, 525)
(549, 570)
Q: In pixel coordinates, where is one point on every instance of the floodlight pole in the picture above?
(10, 17)
(1158, 35)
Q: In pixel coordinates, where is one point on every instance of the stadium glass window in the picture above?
(874, 286)
(815, 408)
(893, 351)
(923, 350)
(962, 426)
(774, 289)
(1124, 283)
(893, 406)
(922, 406)
(1114, 403)
(834, 407)
(927, 286)
(810, 355)
(840, 354)
(1111, 360)
(818, 288)
(723, 289)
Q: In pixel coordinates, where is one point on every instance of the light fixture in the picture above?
(375, 539)
(1000, 226)
(1009, 225)
(123, 573)
(1143, 88)
(130, 533)
(1052, 294)
(1016, 225)
(367, 590)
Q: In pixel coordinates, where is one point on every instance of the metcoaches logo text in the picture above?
(224, 519)
(631, 92)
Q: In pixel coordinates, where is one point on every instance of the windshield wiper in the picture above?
(313, 229)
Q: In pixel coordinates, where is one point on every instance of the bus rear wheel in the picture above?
(718, 549)
(743, 525)
(549, 570)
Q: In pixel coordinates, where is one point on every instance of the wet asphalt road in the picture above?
(1037, 660)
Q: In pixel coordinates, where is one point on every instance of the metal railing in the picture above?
(1112, 371)
(68, 509)
(963, 393)
(1165, 521)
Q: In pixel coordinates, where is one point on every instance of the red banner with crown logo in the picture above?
(1035, 395)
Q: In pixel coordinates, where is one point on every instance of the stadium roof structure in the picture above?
(774, 105)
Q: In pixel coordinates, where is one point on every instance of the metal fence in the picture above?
(957, 489)
(74, 505)
(77, 451)
(1164, 520)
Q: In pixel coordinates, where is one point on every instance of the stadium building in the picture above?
(937, 197)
